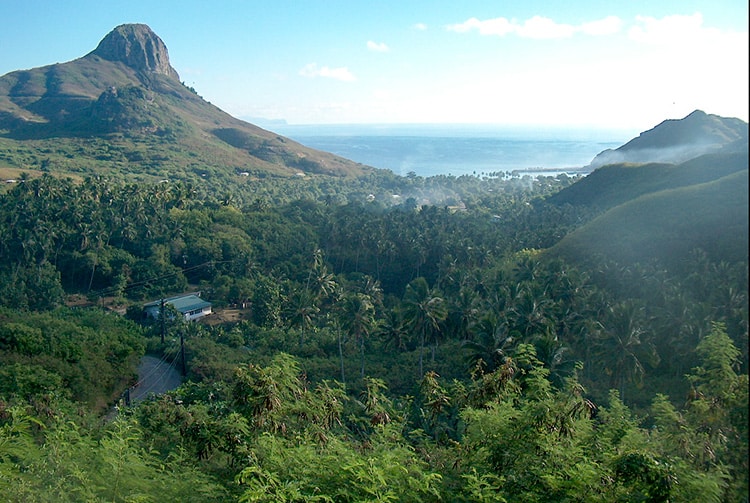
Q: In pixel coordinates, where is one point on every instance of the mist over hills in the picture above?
(126, 94)
(679, 140)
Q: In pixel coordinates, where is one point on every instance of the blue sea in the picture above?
(439, 149)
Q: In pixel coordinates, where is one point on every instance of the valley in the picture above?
(400, 338)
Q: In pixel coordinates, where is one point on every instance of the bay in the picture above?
(452, 149)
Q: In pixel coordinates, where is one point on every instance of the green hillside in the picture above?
(615, 184)
(359, 352)
(667, 224)
(121, 110)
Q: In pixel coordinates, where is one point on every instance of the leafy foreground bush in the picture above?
(507, 435)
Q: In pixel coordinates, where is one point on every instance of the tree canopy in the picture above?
(382, 350)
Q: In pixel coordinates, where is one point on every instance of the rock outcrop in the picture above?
(125, 94)
(138, 47)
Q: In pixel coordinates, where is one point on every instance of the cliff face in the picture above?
(138, 47)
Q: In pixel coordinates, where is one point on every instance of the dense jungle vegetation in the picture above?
(391, 349)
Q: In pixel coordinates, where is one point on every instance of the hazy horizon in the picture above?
(436, 128)
(453, 149)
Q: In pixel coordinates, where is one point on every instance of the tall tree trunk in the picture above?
(341, 356)
(362, 356)
(93, 270)
(421, 358)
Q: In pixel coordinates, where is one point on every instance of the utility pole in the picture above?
(182, 353)
(163, 320)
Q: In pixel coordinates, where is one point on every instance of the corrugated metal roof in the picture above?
(182, 303)
(189, 303)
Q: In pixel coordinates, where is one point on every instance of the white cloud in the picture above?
(692, 65)
(681, 45)
(312, 70)
(498, 26)
(420, 26)
(543, 27)
(377, 46)
(382, 94)
(537, 27)
(668, 30)
(606, 26)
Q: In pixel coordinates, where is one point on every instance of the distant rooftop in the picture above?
(183, 303)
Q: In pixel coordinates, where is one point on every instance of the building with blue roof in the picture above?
(189, 305)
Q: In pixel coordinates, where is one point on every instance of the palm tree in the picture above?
(302, 312)
(320, 282)
(462, 313)
(357, 315)
(556, 357)
(532, 312)
(424, 309)
(625, 347)
(489, 343)
(393, 330)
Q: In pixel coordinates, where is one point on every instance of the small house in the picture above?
(189, 305)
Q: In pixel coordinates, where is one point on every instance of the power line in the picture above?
(111, 290)
(160, 379)
(153, 370)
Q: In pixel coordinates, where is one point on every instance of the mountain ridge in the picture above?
(679, 140)
(675, 188)
(126, 92)
(615, 184)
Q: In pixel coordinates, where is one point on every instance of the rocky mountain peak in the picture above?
(137, 46)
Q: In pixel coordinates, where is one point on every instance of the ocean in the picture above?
(440, 149)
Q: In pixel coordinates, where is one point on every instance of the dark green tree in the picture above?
(423, 310)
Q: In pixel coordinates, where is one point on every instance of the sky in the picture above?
(626, 64)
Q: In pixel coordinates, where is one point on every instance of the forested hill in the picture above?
(615, 184)
(668, 225)
(659, 210)
(122, 111)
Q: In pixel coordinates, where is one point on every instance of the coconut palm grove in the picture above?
(372, 337)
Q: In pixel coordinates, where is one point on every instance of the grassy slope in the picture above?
(48, 121)
(615, 184)
(668, 224)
